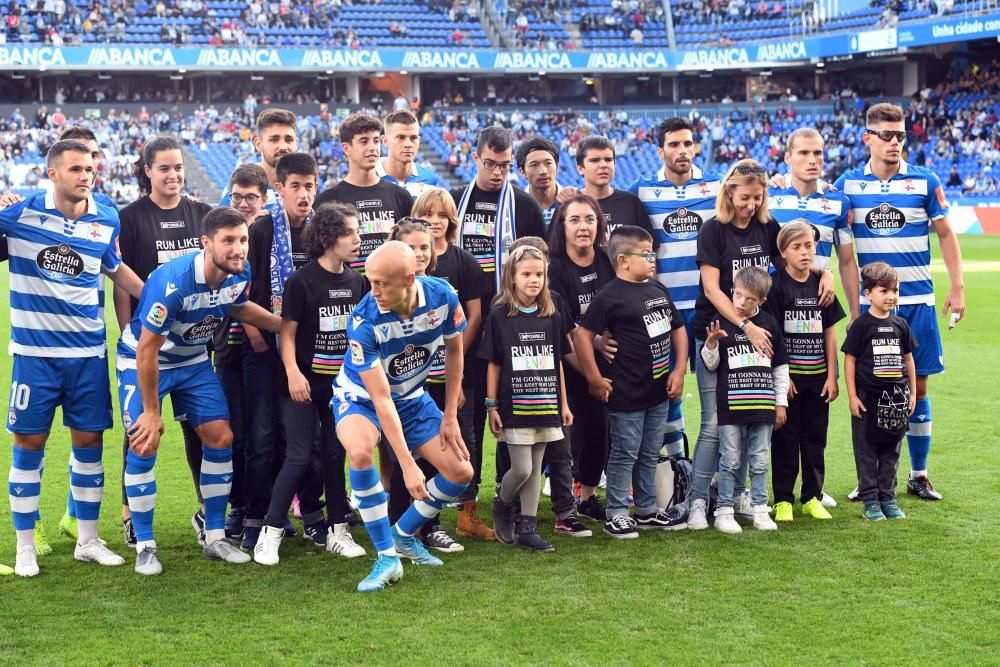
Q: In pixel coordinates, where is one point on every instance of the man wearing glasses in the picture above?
(492, 213)
(894, 205)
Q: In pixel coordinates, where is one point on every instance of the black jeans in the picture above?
(231, 378)
(309, 435)
(876, 464)
(472, 419)
(589, 433)
(802, 437)
(192, 452)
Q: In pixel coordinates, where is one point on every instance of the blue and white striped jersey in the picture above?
(423, 179)
(830, 213)
(403, 348)
(891, 223)
(177, 303)
(677, 213)
(55, 269)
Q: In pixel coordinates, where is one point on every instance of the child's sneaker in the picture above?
(828, 501)
(696, 516)
(547, 488)
(783, 511)
(621, 527)
(762, 518)
(890, 508)
(725, 521)
(815, 509)
(854, 496)
(743, 505)
(592, 508)
(572, 527)
(873, 511)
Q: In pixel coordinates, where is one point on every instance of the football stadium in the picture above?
(500, 331)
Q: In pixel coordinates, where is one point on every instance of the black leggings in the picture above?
(192, 451)
(589, 433)
(309, 434)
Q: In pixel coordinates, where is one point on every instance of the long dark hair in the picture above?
(557, 231)
(147, 156)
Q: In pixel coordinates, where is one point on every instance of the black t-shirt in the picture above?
(640, 316)
(379, 206)
(259, 254)
(579, 284)
(462, 272)
(476, 229)
(152, 236)
(879, 346)
(321, 302)
(745, 391)
(729, 249)
(622, 207)
(528, 349)
(795, 305)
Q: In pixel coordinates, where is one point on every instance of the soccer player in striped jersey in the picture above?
(828, 212)
(163, 351)
(894, 206)
(401, 137)
(392, 336)
(59, 243)
(678, 199)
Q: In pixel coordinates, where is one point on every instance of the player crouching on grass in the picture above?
(163, 351)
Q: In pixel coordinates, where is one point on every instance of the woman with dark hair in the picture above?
(159, 226)
(578, 269)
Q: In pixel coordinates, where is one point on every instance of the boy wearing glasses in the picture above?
(638, 312)
(894, 205)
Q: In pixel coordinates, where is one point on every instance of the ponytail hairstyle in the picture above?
(147, 156)
(507, 295)
(413, 225)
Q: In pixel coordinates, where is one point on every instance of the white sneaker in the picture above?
(268, 544)
(147, 562)
(224, 550)
(603, 484)
(97, 551)
(696, 516)
(743, 505)
(27, 561)
(828, 501)
(725, 521)
(352, 501)
(547, 487)
(340, 541)
(853, 496)
(762, 518)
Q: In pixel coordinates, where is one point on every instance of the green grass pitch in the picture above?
(839, 592)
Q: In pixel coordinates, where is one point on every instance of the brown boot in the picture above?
(469, 525)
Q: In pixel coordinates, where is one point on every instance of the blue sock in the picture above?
(70, 505)
(140, 488)
(24, 484)
(373, 505)
(918, 440)
(442, 491)
(673, 435)
(86, 481)
(216, 482)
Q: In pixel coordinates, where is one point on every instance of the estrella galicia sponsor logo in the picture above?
(529, 336)
(60, 262)
(751, 249)
(408, 363)
(885, 220)
(682, 224)
(202, 331)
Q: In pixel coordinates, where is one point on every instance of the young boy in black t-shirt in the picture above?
(751, 395)
(882, 388)
(811, 344)
(636, 309)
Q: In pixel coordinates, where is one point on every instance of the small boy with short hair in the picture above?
(638, 312)
(752, 397)
(882, 388)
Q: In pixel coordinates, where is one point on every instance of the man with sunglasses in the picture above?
(894, 206)
(492, 213)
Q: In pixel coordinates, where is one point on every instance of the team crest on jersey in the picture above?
(885, 220)
(60, 263)
(95, 230)
(409, 363)
(234, 292)
(202, 331)
(126, 420)
(682, 224)
(432, 318)
(157, 314)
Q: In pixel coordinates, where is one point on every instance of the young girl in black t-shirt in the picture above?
(524, 341)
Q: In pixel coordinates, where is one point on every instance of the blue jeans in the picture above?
(636, 438)
(706, 450)
(739, 443)
(260, 401)
(231, 378)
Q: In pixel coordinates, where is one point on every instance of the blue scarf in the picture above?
(281, 255)
(503, 224)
